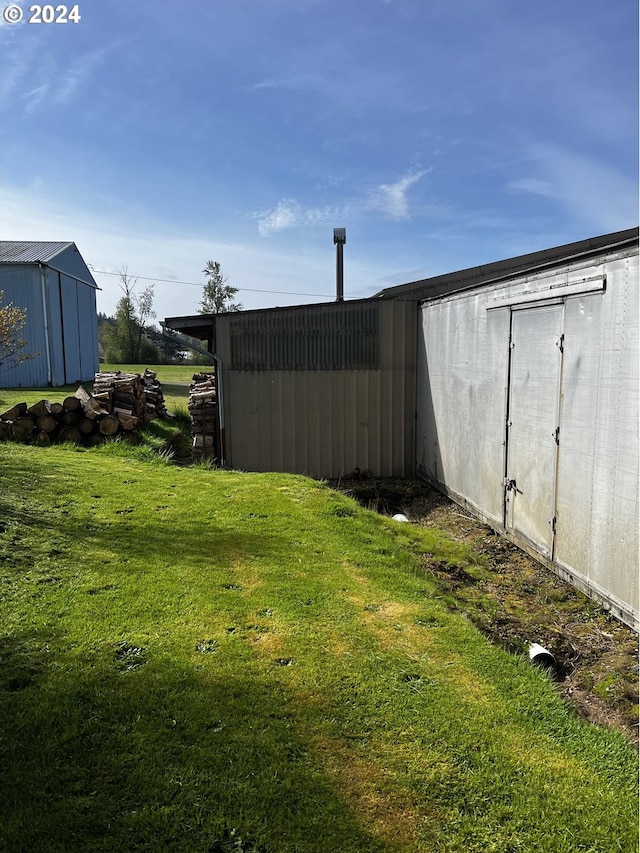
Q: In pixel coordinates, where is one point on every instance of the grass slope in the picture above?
(196, 660)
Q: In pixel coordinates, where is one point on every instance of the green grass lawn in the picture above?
(196, 660)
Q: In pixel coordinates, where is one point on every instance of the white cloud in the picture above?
(391, 199)
(288, 213)
(388, 199)
(152, 248)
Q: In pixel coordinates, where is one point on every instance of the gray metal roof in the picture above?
(429, 288)
(29, 251)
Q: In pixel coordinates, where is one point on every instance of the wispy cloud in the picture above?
(23, 53)
(33, 98)
(293, 83)
(389, 199)
(288, 213)
(588, 189)
(80, 71)
(43, 76)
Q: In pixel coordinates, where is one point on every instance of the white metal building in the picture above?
(527, 413)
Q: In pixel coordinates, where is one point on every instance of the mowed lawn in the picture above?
(208, 661)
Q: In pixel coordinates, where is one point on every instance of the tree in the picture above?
(12, 346)
(125, 341)
(171, 352)
(217, 295)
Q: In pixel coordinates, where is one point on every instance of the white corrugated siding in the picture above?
(462, 431)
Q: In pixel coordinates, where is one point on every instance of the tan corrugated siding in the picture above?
(327, 423)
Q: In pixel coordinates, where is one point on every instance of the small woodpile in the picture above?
(79, 419)
(121, 403)
(203, 409)
(134, 398)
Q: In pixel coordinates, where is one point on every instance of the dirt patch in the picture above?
(515, 600)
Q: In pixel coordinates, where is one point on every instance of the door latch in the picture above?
(510, 486)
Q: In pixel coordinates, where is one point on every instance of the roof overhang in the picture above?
(197, 326)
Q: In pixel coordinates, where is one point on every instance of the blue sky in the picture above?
(442, 134)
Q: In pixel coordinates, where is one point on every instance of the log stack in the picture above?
(78, 419)
(134, 398)
(121, 403)
(203, 409)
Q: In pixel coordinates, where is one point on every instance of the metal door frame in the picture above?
(543, 303)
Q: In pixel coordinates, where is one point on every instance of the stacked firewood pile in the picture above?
(79, 419)
(203, 409)
(121, 403)
(134, 398)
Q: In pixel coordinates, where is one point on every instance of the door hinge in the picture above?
(553, 524)
(560, 343)
(557, 435)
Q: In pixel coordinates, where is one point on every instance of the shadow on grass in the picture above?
(159, 755)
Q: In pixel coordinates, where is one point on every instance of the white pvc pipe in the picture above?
(541, 656)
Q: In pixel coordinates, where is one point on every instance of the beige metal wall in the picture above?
(326, 423)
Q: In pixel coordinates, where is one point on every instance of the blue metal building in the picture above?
(55, 287)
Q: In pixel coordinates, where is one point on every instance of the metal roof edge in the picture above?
(45, 259)
(209, 319)
(483, 282)
(485, 273)
(61, 250)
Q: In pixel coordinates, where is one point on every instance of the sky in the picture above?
(442, 134)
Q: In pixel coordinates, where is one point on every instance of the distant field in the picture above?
(175, 379)
(172, 374)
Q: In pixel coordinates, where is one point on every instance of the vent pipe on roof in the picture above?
(339, 238)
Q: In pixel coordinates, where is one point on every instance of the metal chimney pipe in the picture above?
(339, 238)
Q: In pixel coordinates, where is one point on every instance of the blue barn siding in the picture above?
(71, 330)
(54, 312)
(70, 262)
(89, 364)
(22, 285)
